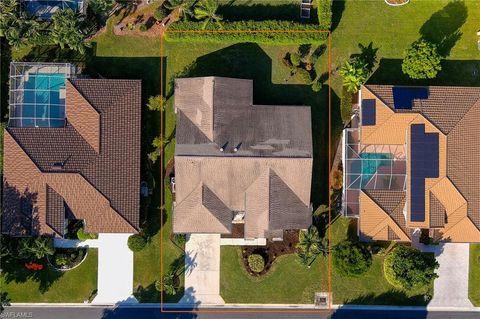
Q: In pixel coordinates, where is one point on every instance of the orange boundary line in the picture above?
(329, 263)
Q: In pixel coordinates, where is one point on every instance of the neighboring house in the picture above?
(239, 165)
(412, 161)
(44, 9)
(71, 152)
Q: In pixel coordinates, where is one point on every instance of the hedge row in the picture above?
(324, 10)
(287, 34)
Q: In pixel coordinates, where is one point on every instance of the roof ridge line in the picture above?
(464, 115)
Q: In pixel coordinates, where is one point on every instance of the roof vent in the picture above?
(224, 147)
(237, 147)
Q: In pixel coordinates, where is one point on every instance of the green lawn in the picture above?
(393, 29)
(75, 285)
(474, 278)
(237, 286)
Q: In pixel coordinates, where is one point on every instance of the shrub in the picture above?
(256, 263)
(136, 242)
(143, 28)
(130, 26)
(304, 75)
(346, 105)
(82, 235)
(180, 239)
(61, 260)
(422, 60)
(33, 266)
(351, 259)
(160, 13)
(354, 74)
(316, 86)
(295, 59)
(35, 247)
(409, 268)
(250, 25)
(101, 7)
(324, 10)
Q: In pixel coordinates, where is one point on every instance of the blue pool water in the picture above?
(42, 104)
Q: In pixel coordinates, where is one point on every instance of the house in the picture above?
(71, 152)
(44, 9)
(412, 163)
(237, 164)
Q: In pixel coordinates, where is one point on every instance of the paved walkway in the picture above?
(202, 270)
(115, 267)
(451, 286)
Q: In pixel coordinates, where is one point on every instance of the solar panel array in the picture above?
(368, 112)
(403, 96)
(424, 152)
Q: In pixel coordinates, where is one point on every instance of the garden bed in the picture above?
(66, 259)
(271, 251)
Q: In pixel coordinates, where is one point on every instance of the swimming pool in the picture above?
(43, 103)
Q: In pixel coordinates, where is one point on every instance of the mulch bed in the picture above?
(238, 231)
(271, 251)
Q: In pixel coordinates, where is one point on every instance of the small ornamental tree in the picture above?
(256, 263)
(35, 247)
(354, 73)
(422, 60)
(156, 103)
(409, 268)
(351, 259)
(169, 283)
(101, 7)
(136, 242)
(295, 59)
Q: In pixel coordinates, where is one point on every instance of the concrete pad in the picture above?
(451, 287)
(202, 269)
(115, 270)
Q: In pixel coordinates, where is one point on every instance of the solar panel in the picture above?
(424, 152)
(368, 112)
(403, 96)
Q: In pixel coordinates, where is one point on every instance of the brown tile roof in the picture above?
(55, 211)
(101, 187)
(268, 178)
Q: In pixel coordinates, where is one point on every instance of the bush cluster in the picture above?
(351, 259)
(287, 36)
(324, 10)
(256, 263)
(82, 235)
(409, 268)
(136, 242)
(346, 105)
(422, 60)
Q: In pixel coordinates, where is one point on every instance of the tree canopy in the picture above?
(422, 60)
(407, 267)
(351, 259)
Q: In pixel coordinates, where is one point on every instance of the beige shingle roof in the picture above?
(268, 178)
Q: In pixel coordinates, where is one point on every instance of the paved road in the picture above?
(154, 313)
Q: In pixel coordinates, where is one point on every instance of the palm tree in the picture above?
(310, 245)
(354, 74)
(182, 8)
(36, 248)
(206, 10)
(169, 286)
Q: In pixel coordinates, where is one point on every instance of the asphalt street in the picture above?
(154, 313)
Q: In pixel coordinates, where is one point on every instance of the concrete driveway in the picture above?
(202, 269)
(451, 286)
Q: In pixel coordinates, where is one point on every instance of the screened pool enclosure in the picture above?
(37, 94)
